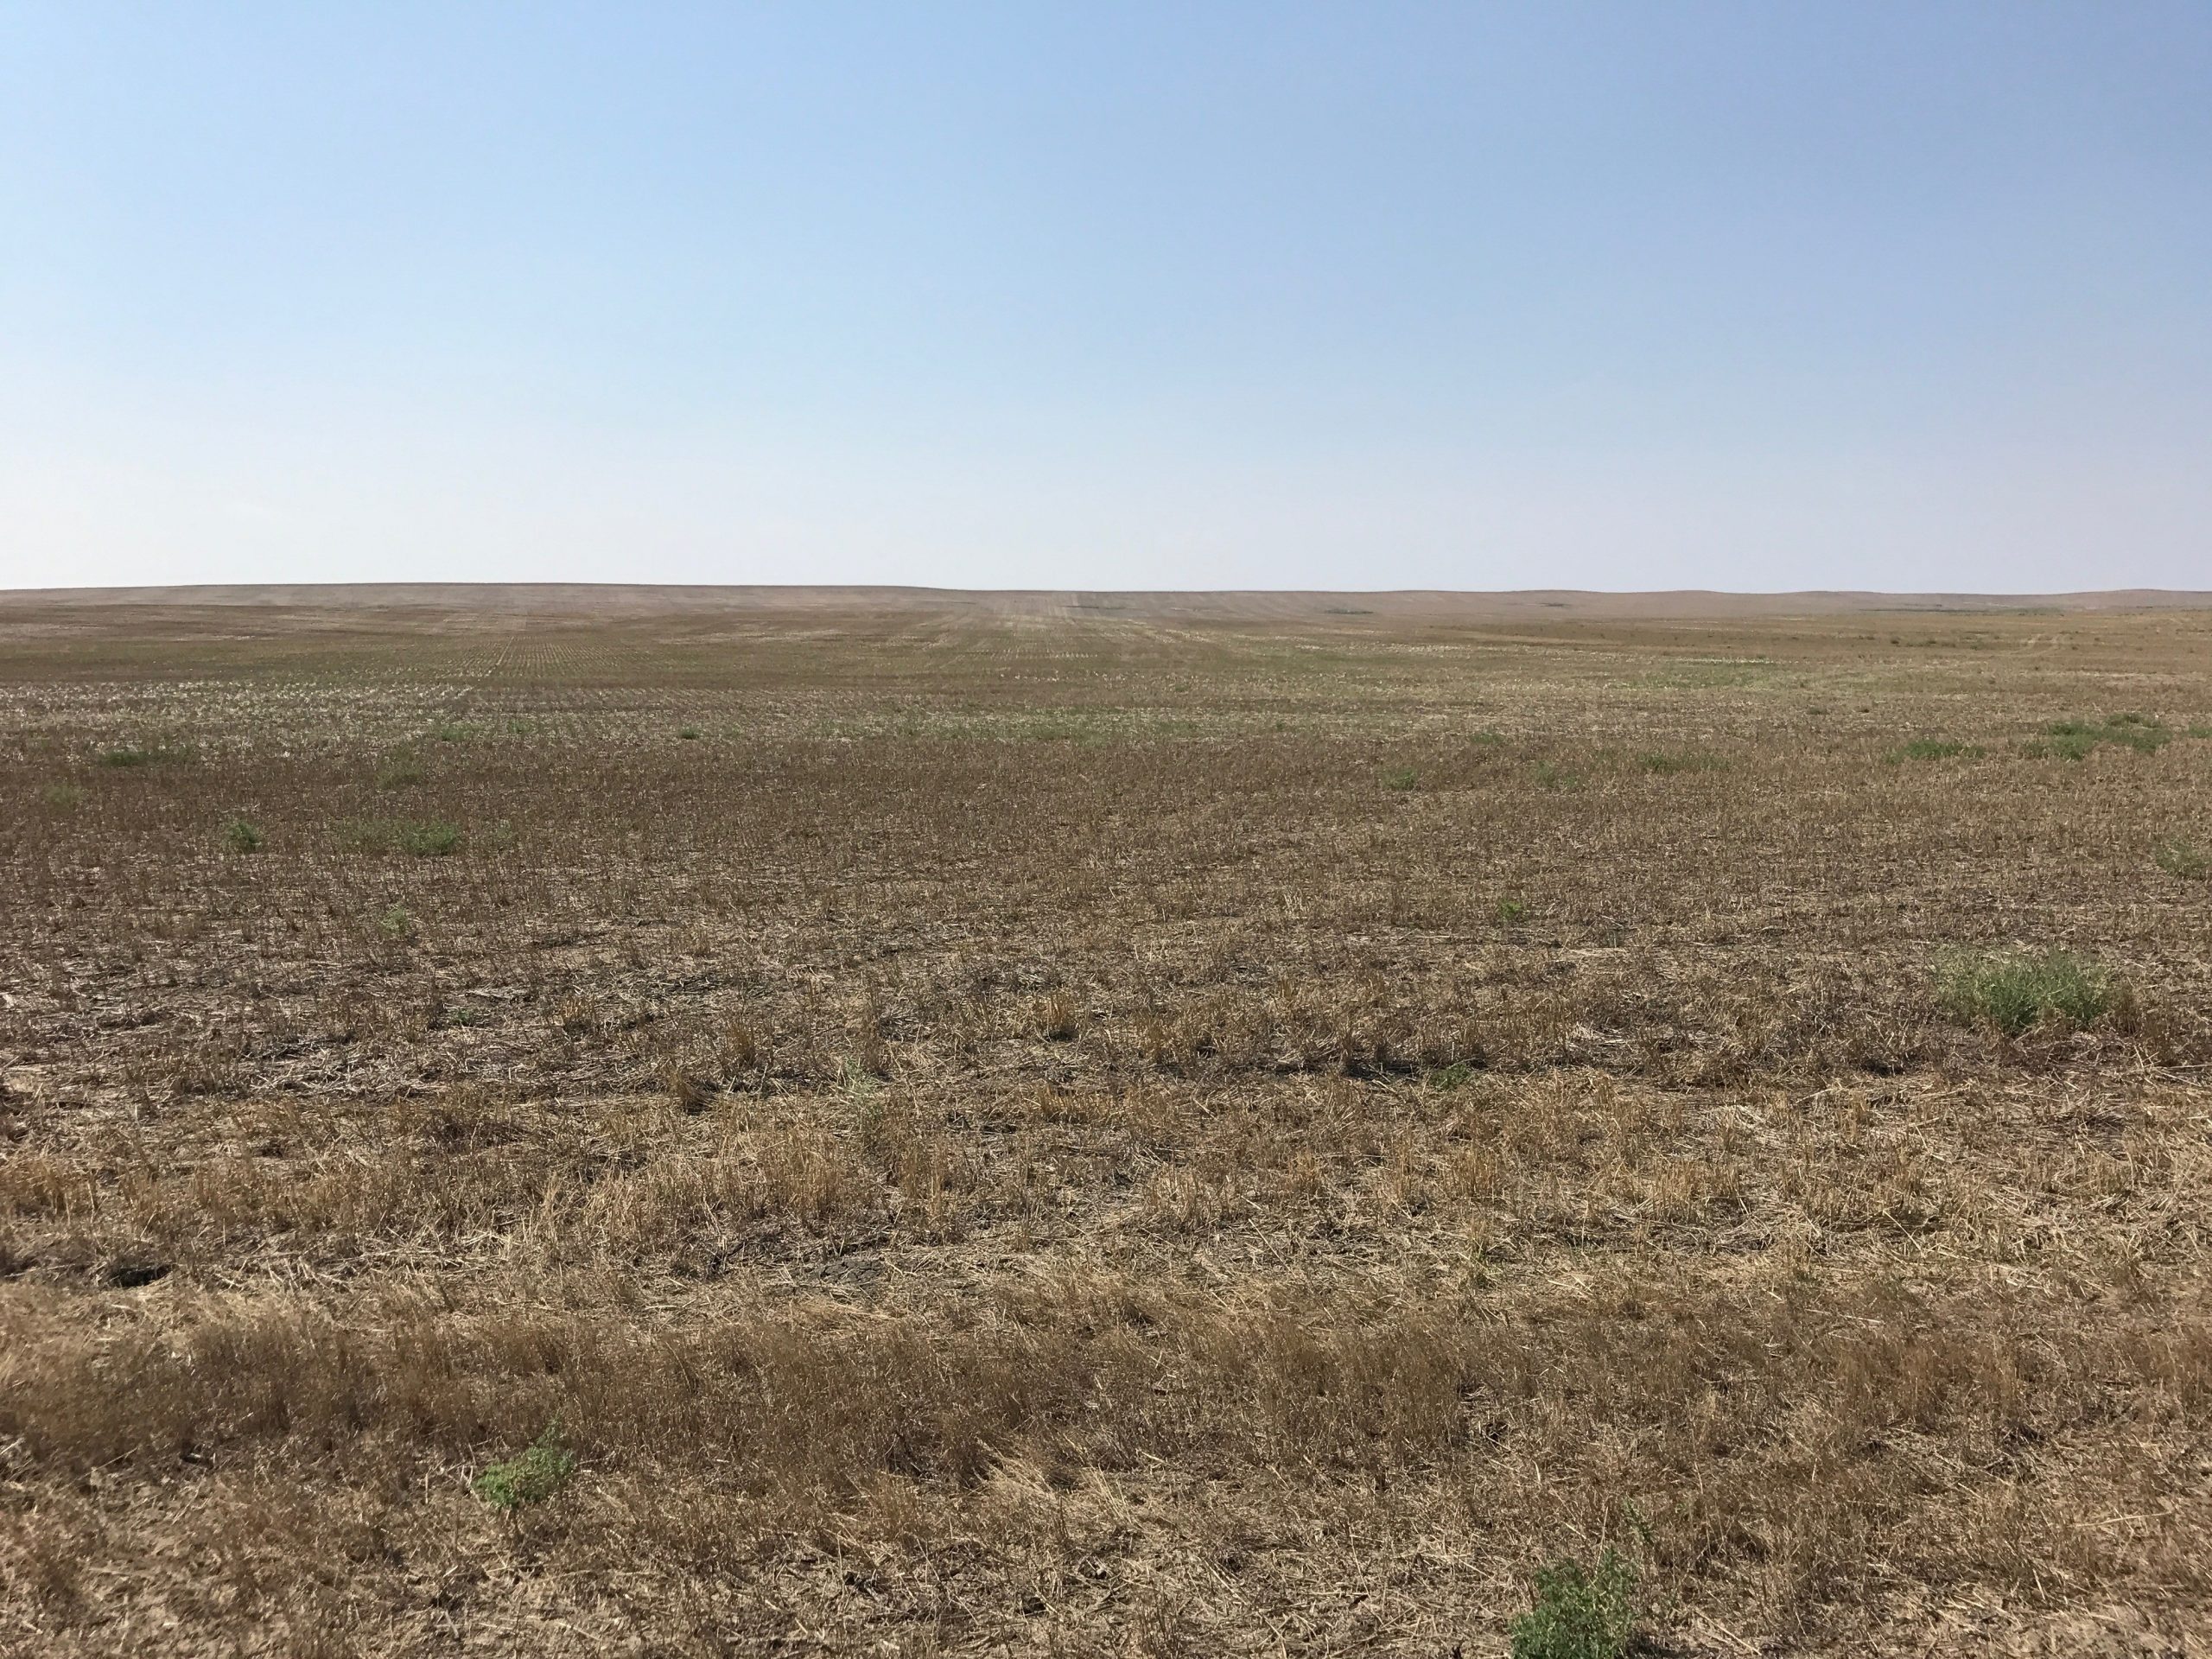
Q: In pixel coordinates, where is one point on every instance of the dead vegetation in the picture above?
(894, 1132)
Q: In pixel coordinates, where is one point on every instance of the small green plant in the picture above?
(401, 769)
(1454, 1076)
(2136, 731)
(457, 1017)
(1510, 911)
(2017, 991)
(1549, 776)
(61, 798)
(519, 726)
(430, 838)
(1400, 778)
(130, 754)
(433, 840)
(2073, 739)
(1929, 748)
(397, 923)
(690, 734)
(2200, 731)
(454, 731)
(858, 1079)
(2063, 745)
(872, 1115)
(1666, 765)
(1580, 1613)
(532, 1476)
(2185, 859)
(242, 836)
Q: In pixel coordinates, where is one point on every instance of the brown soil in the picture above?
(1057, 1123)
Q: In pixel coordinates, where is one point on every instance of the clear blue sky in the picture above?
(1758, 295)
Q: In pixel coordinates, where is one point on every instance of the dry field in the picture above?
(1100, 1127)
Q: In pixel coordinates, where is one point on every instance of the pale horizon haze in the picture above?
(1744, 296)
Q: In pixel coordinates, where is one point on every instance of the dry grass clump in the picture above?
(1084, 1136)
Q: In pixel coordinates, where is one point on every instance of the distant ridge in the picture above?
(630, 599)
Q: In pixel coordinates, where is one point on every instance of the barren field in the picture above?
(879, 1125)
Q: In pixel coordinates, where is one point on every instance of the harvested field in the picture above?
(1101, 1125)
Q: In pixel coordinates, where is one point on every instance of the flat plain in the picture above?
(580, 1121)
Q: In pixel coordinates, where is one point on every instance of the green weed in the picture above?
(2136, 731)
(1580, 1613)
(873, 1116)
(2074, 739)
(2016, 991)
(2185, 859)
(242, 836)
(429, 838)
(161, 754)
(532, 1476)
(1930, 748)
(432, 840)
(1666, 765)
(401, 769)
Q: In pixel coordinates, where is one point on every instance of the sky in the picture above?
(1879, 294)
